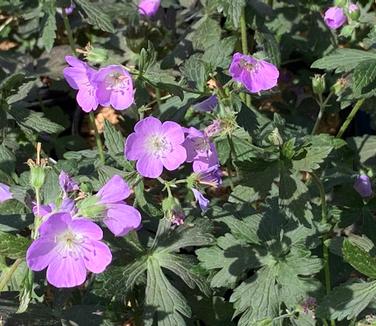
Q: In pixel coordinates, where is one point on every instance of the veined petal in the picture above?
(97, 256)
(40, 253)
(122, 218)
(115, 189)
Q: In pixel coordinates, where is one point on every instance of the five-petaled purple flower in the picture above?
(115, 87)
(363, 186)
(120, 218)
(5, 193)
(67, 184)
(156, 145)
(200, 150)
(255, 75)
(148, 7)
(80, 76)
(68, 248)
(201, 200)
(335, 17)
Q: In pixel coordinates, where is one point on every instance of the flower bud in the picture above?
(363, 186)
(318, 84)
(91, 208)
(275, 137)
(86, 187)
(97, 55)
(339, 86)
(37, 176)
(354, 11)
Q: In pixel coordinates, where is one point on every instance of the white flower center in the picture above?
(69, 243)
(115, 81)
(158, 145)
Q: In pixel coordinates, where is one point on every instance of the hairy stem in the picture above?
(350, 117)
(97, 136)
(69, 32)
(243, 31)
(324, 219)
(322, 105)
(5, 277)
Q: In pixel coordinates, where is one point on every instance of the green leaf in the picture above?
(347, 301)
(232, 10)
(195, 71)
(364, 74)
(49, 24)
(95, 15)
(34, 120)
(219, 54)
(358, 258)
(7, 159)
(343, 60)
(163, 300)
(270, 45)
(312, 159)
(13, 246)
(207, 33)
(113, 138)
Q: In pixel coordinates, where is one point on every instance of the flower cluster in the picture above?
(335, 17)
(111, 85)
(69, 242)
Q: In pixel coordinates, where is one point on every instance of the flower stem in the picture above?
(322, 105)
(324, 219)
(69, 32)
(243, 31)
(97, 136)
(5, 277)
(350, 117)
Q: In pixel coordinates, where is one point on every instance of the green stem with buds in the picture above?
(351, 116)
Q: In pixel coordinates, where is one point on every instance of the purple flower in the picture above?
(115, 87)
(202, 201)
(5, 193)
(256, 75)
(120, 218)
(80, 76)
(68, 248)
(353, 8)
(210, 177)
(67, 184)
(207, 105)
(200, 150)
(156, 145)
(363, 186)
(335, 17)
(178, 217)
(148, 7)
(69, 10)
(309, 304)
(213, 129)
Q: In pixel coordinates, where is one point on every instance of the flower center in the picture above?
(158, 146)
(116, 81)
(248, 66)
(69, 243)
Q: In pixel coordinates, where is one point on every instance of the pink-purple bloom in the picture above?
(69, 10)
(255, 75)
(200, 150)
(210, 177)
(5, 193)
(67, 184)
(178, 217)
(335, 17)
(69, 249)
(363, 186)
(115, 87)
(68, 205)
(353, 8)
(120, 218)
(201, 200)
(148, 7)
(156, 145)
(80, 76)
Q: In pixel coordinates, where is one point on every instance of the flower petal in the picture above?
(115, 189)
(148, 126)
(87, 99)
(66, 272)
(134, 147)
(55, 224)
(40, 253)
(173, 131)
(122, 218)
(97, 256)
(175, 158)
(87, 228)
(149, 167)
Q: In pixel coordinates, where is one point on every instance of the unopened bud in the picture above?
(354, 11)
(318, 84)
(340, 3)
